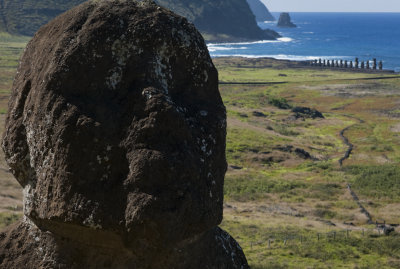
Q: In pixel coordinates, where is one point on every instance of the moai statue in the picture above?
(380, 65)
(367, 64)
(320, 62)
(374, 64)
(117, 134)
(351, 64)
(356, 63)
(324, 63)
(362, 65)
(341, 63)
(345, 64)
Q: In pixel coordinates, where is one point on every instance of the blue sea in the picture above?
(327, 36)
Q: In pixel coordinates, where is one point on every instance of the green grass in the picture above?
(304, 250)
(379, 181)
(255, 186)
(281, 103)
(7, 218)
(315, 188)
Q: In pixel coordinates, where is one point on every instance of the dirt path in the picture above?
(346, 140)
(346, 156)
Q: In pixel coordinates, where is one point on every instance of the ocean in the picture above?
(330, 36)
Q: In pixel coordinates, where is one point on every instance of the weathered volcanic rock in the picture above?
(306, 112)
(285, 21)
(116, 132)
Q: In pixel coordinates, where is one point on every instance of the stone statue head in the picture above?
(116, 126)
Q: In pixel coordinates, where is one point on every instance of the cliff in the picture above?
(260, 11)
(216, 19)
(222, 19)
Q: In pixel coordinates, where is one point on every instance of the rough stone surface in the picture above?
(285, 20)
(116, 132)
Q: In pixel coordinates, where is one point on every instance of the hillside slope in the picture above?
(216, 19)
(25, 17)
(223, 17)
(260, 10)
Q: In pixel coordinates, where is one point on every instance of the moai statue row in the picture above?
(348, 64)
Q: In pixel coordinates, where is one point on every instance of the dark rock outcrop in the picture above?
(259, 114)
(116, 132)
(285, 21)
(306, 112)
(298, 151)
(260, 11)
(214, 18)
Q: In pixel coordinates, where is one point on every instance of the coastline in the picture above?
(226, 39)
(327, 36)
(300, 64)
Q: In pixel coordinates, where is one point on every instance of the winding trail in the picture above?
(346, 140)
(346, 156)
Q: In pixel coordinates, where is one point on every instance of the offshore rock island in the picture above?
(285, 21)
(116, 132)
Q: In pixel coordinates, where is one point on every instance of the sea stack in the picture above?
(116, 132)
(285, 21)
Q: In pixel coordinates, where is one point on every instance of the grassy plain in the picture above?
(11, 48)
(278, 202)
(286, 209)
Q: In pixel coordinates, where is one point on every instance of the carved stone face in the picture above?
(116, 126)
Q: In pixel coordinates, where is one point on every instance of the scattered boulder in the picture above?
(286, 148)
(387, 229)
(306, 112)
(259, 114)
(116, 132)
(302, 153)
(235, 167)
(298, 151)
(285, 21)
